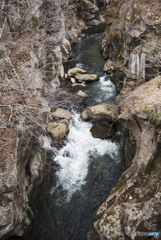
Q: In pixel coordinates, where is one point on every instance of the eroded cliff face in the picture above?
(35, 38)
(132, 45)
(132, 40)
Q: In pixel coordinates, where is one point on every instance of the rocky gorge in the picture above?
(33, 46)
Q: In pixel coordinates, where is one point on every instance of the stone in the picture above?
(73, 71)
(58, 129)
(86, 77)
(72, 80)
(105, 111)
(66, 76)
(83, 84)
(62, 113)
(84, 116)
(102, 130)
(82, 94)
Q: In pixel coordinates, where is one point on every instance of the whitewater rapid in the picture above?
(80, 148)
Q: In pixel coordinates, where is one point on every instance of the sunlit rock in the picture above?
(74, 71)
(61, 113)
(58, 129)
(86, 77)
(105, 111)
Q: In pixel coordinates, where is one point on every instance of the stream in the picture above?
(68, 197)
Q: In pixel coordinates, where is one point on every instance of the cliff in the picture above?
(131, 45)
(35, 38)
(131, 42)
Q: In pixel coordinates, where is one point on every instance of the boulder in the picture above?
(82, 94)
(58, 129)
(102, 130)
(61, 113)
(86, 77)
(105, 111)
(73, 71)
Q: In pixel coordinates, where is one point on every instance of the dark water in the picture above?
(56, 218)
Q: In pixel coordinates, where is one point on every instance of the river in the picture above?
(67, 198)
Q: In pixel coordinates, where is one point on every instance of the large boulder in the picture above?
(58, 129)
(102, 130)
(62, 114)
(73, 71)
(105, 111)
(86, 77)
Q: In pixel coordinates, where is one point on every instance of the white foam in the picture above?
(47, 145)
(106, 90)
(106, 85)
(74, 157)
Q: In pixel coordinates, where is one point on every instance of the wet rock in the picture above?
(86, 77)
(106, 111)
(58, 129)
(74, 71)
(82, 94)
(61, 113)
(102, 130)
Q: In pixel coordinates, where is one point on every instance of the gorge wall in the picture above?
(131, 45)
(35, 38)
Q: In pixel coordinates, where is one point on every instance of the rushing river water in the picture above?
(67, 198)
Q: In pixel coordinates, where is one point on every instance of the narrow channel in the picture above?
(67, 198)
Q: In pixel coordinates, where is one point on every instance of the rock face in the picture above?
(134, 203)
(132, 40)
(105, 111)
